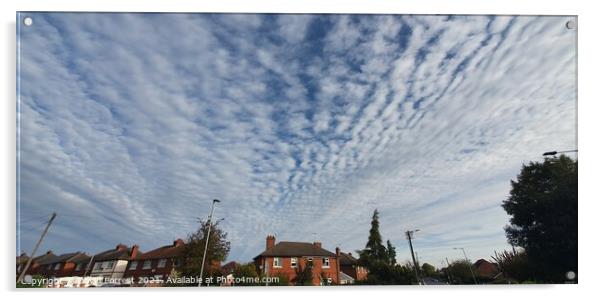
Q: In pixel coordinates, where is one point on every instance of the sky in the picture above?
(129, 125)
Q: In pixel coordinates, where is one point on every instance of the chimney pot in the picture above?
(318, 244)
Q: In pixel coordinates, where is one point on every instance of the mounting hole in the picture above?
(570, 24)
(27, 21)
(570, 275)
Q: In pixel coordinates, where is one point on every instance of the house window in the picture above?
(176, 262)
(325, 262)
(277, 262)
(293, 262)
(162, 263)
(57, 267)
(97, 266)
(146, 265)
(133, 265)
(78, 267)
(110, 264)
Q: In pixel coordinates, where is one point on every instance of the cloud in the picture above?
(132, 123)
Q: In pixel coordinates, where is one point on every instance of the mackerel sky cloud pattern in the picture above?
(130, 124)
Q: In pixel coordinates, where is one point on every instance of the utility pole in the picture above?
(33, 253)
(207, 242)
(409, 234)
(449, 273)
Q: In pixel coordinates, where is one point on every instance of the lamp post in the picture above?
(470, 266)
(207, 241)
(409, 234)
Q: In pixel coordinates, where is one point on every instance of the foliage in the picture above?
(543, 209)
(217, 250)
(374, 253)
(428, 270)
(247, 270)
(304, 275)
(391, 254)
(514, 265)
(459, 271)
(385, 274)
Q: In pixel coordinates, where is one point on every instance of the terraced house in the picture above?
(112, 264)
(156, 264)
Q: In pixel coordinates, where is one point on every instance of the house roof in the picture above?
(121, 252)
(481, 261)
(67, 257)
(296, 249)
(42, 259)
(345, 277)
(81, 258)
(174, 250)
(347, 259)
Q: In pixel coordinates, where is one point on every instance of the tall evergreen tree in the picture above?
(374, 251)
(391, 253)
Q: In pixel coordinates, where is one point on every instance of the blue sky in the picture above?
(130, 124)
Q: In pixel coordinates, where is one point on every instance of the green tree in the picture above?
(217, 250)
(460, 271)
(244, 272)
(391, 254)
(543, 209)
(304, 275)
(374, 253)
(428, 270)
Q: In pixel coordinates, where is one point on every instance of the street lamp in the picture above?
(470, 266)
(409, 234)
(207, 241)
(552, 153)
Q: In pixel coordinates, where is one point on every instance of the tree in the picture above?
(543, 209)
(391, 254)
(304, 275)
(244, 273)
(428, 270)
(217, 250)
(380, 260)
(460, 271)
(374, 252)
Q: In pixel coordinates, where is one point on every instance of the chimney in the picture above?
(121, 247)
(338, 251)
(270, 241)
(318, 244)
(178, 242)
(134, 252)
(48, 252)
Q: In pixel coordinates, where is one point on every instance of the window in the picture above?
(162, 263)
(97, 266)
(146, 265)
(277, 262)
(176, 262)
(293, 262)
(325, 262)
(110, 264)
(57, 267)
(133, 265)
(78, 267)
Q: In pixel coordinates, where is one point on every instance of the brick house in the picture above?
(484, 268)
(112, 264)
(350, 266)
(62, 265)
(156, 264)
(285, 258)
